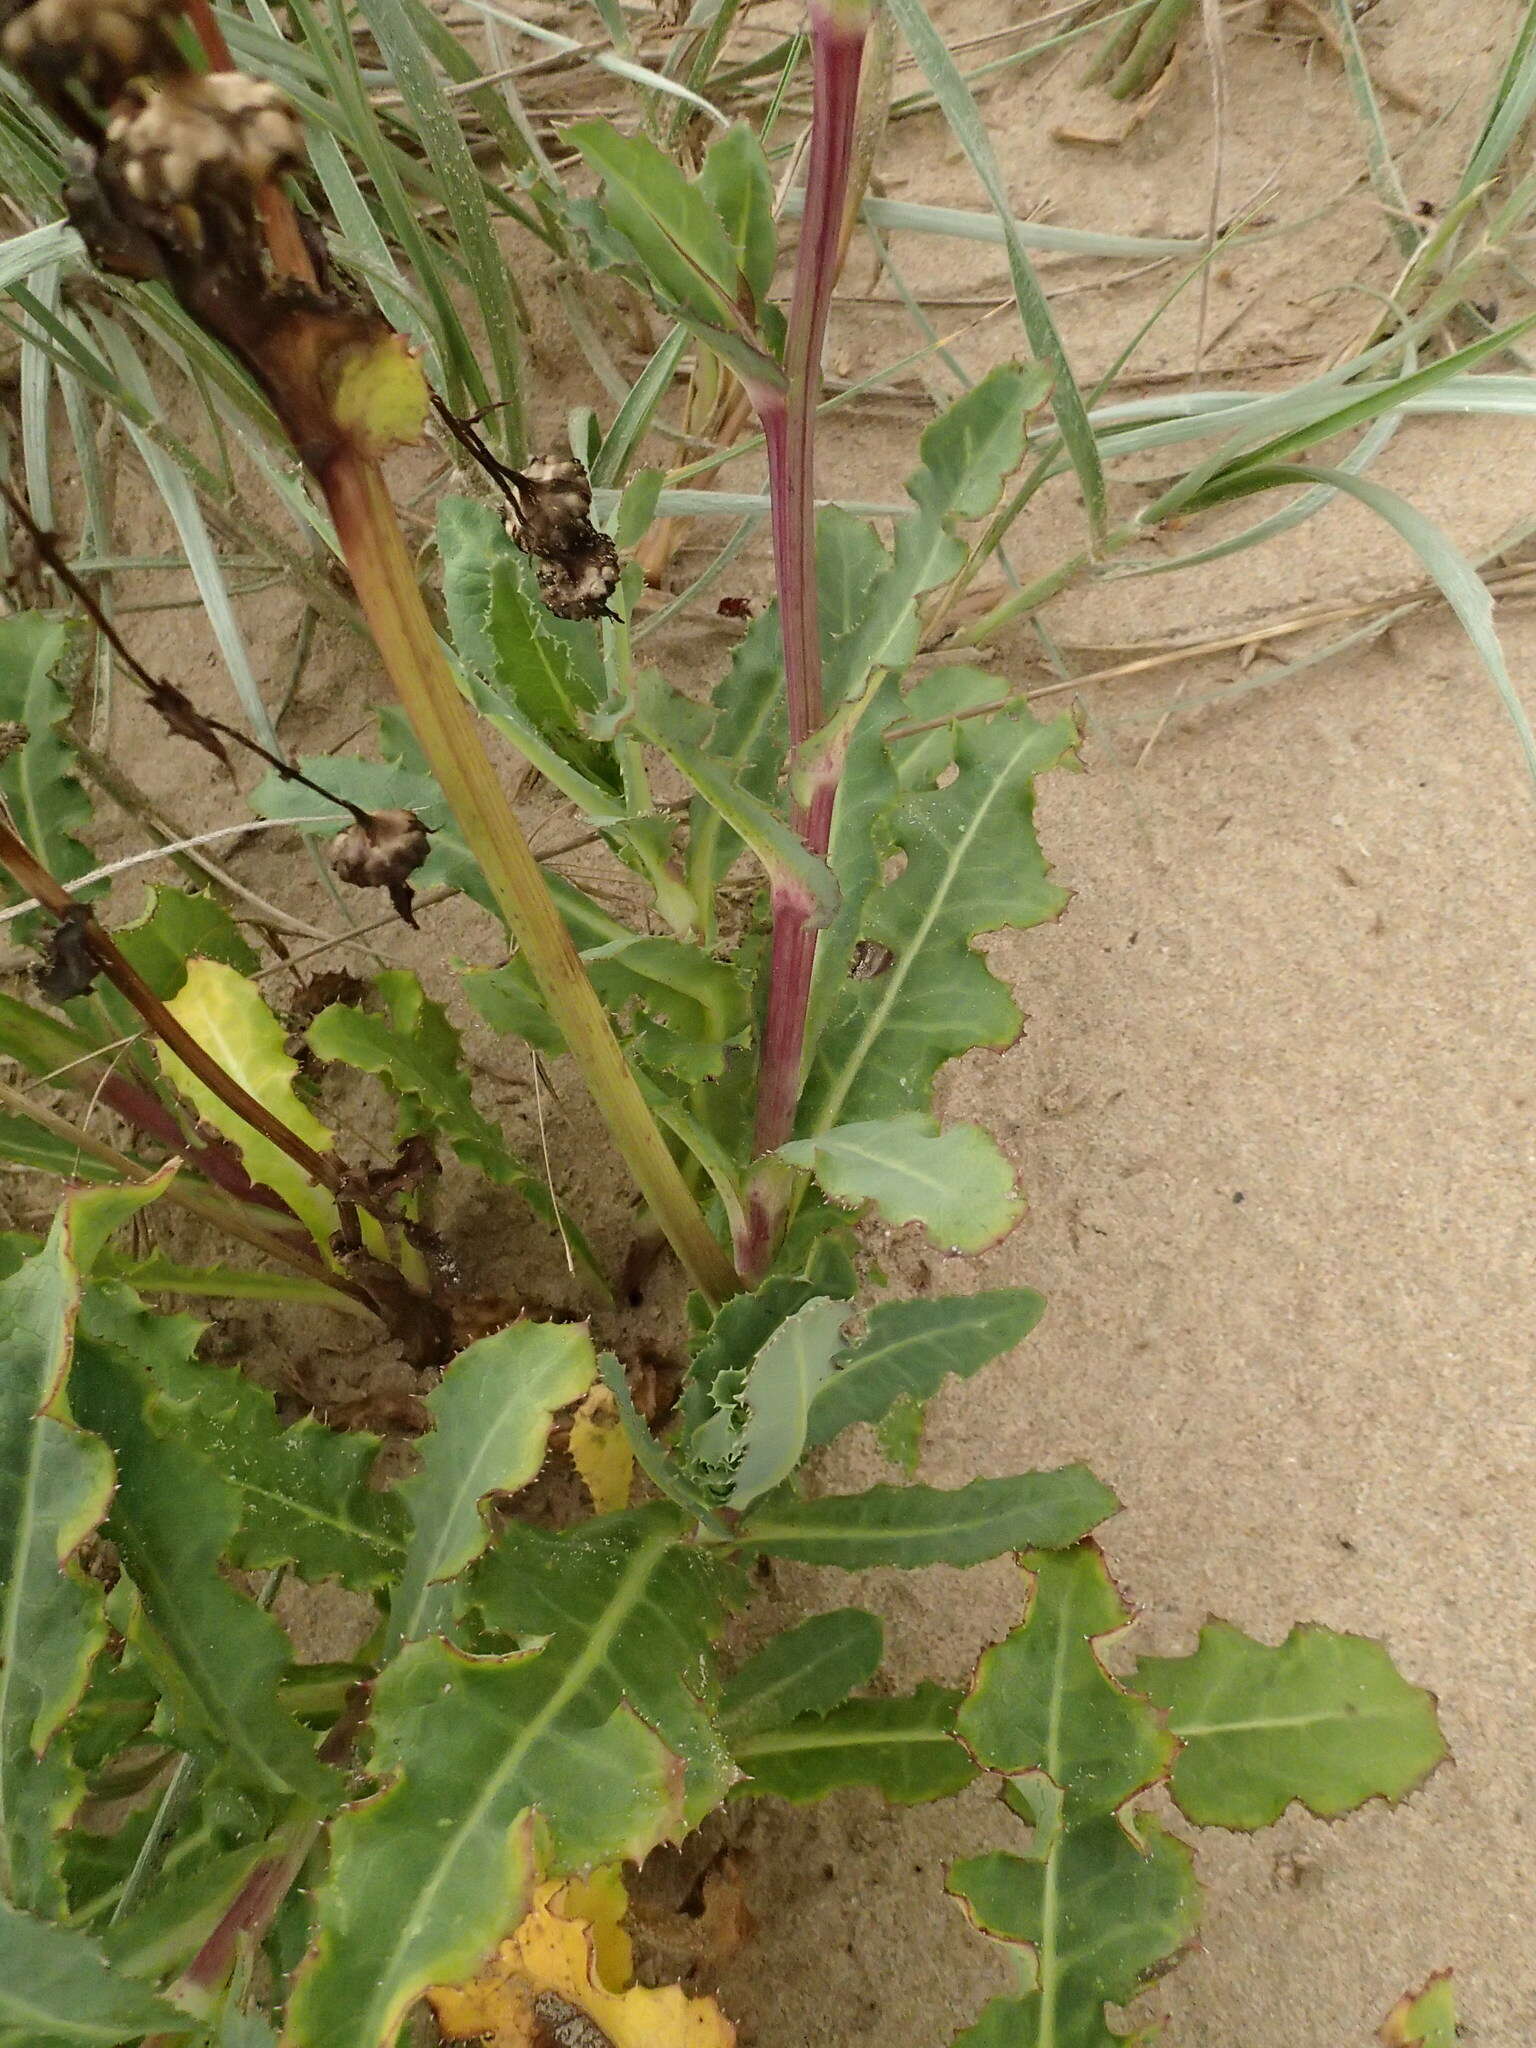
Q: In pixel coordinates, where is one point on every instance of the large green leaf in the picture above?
(495, 1770)
(1100, 1898)
(491, 1421)
(304, 1491)
(56, 1987)
(973, 865)
(551, 672)
(1321, 1718)
(910, 1347)
(38, 780)
(808, 1669)
(226, 1014)
(913, 1525)
(55, 1483)
(904, 1749)
(179, 925)
(627, 1596)
(1043, 1701)
(216, 1656)
(956, 1183)
(1101, 1905)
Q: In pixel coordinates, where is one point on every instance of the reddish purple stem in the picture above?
(789, 427)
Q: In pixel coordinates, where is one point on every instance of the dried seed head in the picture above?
(225, 132)
(579, 584)
(554, 504)
(97, 45)
(551, 519)
(382, 852)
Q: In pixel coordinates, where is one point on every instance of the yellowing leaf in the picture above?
(600, 1452)
(380, 400)
(546, 1975)
(600, 1899)
(226, 1015)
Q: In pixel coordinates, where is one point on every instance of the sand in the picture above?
(1272, 1107)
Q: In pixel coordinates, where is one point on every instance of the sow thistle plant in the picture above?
(202, 1840)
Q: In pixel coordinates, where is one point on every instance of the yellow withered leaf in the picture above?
(380, 399)
(600, 1451)
(545, 1988)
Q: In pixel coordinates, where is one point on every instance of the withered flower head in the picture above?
(551, 519)
(171, 139)
(95, 45)
(382, 852)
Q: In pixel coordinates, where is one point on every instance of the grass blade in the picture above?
(960, 111)
(1463, 589)
(464, 196)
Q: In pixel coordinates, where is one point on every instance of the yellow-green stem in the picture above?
(386, 588)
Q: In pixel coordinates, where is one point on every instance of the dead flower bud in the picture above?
(224, 131)
(94, 46)
(382, 851)
(578, 564)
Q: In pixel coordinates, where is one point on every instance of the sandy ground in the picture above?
(1272, 1107)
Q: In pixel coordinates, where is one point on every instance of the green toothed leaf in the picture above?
(57, 1987)
(966, 456)
(1322, 1718)
(551, 672)
(217, 1657)
(775, 1399)
(808, 1669)
(904, 1749)
(417, 1051)
(973, 865)
(495, 1770)
(625, 1595)
(1102, 1908)
(913, 1525)
(55, 1484)
(909, 1348)
(492, 1416)
(1101, 1897)
(736, 181)
(39, 783)
(304, 1491)
(180, 925)
(956, 1182)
